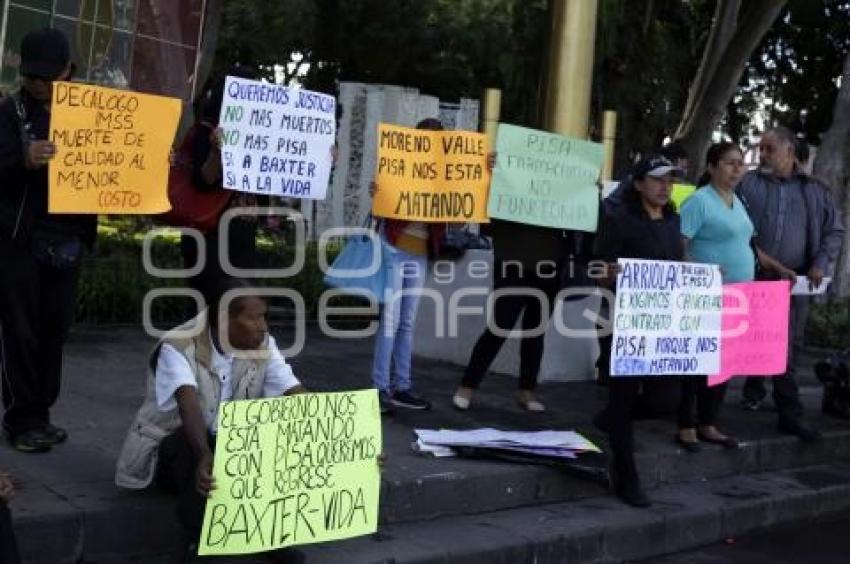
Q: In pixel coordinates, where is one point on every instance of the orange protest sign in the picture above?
(112, 150)
(431, 176)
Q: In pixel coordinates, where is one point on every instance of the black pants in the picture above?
(176, 473)
(506, 311)
(700, 403)
(629, 399)
(37, 306)
(242, 247)
(8, 544)
(786, 394)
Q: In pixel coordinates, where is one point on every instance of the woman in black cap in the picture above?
(645, 226)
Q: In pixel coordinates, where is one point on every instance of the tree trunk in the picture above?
(831, 166)
(209, 42)
(720, 71)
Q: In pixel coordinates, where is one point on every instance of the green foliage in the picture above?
(647, 54)
(447, 48)
(829, 325)
(797, 67)
(113, 282)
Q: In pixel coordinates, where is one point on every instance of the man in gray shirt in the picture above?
(797, 224)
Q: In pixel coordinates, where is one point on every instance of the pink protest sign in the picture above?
(754, 340)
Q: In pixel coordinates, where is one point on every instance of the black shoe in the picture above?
(625, 481)
(628, 489)
(34, 440)
(799, 429)
(385, 403)
(751, 404)
(55, 434)
(409, 400)
(836, 408)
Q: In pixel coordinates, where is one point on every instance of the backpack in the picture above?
(191, 207)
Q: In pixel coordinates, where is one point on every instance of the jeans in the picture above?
(405, 276)
(786, 395)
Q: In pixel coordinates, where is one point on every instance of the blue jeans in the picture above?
(394, 341)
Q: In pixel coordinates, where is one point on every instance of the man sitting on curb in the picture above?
(8, 545)
(191, 371)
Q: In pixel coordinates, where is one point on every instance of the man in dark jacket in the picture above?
(40, 253)
(797, 224)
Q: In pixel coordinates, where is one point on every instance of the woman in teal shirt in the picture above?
(716, 230)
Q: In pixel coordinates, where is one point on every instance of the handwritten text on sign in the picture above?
(276, 140)
(294, 470)
(545, 179)
(112, 150)
(667, 318)
(433, 176)
(755, 330)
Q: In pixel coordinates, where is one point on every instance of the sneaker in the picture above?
(385, 403)
(34, 440)
(55, 434)
(751, 404)
(409, 400)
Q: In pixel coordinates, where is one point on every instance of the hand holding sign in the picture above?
(276, 140)
(667, 318)
(545, 179)
(293, 470)
(111, 150)
(431, 176)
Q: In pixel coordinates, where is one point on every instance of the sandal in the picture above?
(729, 443)
(531, 404)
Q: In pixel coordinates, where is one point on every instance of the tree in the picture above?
(646, 52)
(736, 31)
(831, 166)
(796, 68)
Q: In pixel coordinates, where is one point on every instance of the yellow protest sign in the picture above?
(431, 176)
(681, 192)
(112, 150)
(294, 470)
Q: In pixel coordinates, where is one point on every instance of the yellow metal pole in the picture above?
(492, 112)
(570, 76)
(609, 139)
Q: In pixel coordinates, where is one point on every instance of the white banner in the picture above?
(667, 319)
(276, 140)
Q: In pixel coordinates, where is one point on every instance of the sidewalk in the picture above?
(67, 506)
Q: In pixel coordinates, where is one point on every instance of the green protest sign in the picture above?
(545, 179)
(294, 470)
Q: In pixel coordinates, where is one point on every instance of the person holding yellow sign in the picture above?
(408, 244)
(171, 439)
(40, 253)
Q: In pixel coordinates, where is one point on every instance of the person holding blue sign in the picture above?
(645, 226)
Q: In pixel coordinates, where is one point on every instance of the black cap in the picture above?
(44, 53)
(656, 166)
